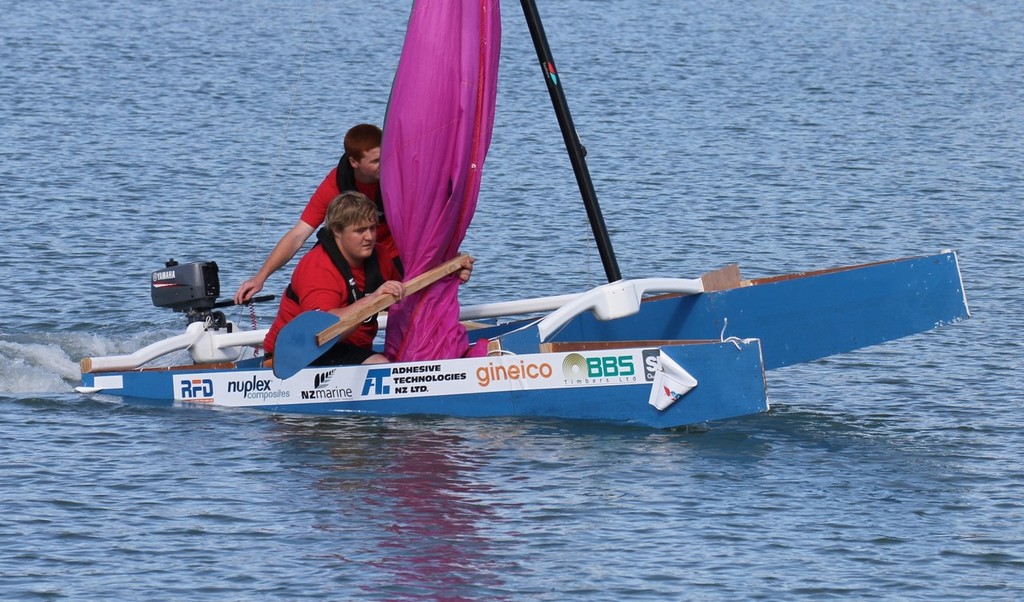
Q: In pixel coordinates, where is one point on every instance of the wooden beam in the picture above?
(604, 345)
(722, 279)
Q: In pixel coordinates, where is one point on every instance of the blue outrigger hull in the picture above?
(798, 318)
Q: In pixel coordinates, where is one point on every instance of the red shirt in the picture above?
(316, 208)
(319, 285)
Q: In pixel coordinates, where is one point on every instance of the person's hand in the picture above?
(249, 288)
(394, 288)
(467, 269)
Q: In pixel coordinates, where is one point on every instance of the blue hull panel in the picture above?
(802, 318)
(608, 386)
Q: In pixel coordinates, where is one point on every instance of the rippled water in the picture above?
(780, 135)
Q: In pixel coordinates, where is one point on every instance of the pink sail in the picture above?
(436, 134)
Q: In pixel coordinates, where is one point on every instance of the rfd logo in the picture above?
(375, 380)
(196, 388)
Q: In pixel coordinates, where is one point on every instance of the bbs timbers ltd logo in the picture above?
(580, 369)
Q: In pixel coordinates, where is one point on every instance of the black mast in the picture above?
(577, 154)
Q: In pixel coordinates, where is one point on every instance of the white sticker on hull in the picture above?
(108, 382)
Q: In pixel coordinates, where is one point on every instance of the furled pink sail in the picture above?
(436, 133)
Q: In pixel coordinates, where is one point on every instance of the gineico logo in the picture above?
(196, 389)
(485, 375)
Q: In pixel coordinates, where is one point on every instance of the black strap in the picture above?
(345, 177)
(371, 269)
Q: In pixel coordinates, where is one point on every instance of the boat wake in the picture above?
(49, 363)
(36, 368)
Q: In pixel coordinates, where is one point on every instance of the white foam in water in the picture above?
(36, 368)
(50, 363)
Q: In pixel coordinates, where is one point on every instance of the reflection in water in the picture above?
(409, 503)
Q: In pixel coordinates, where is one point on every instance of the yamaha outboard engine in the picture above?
(191, 288)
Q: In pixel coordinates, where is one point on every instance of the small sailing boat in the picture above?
(658, 352)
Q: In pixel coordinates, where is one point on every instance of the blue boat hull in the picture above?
(610, 370)
(613, 386)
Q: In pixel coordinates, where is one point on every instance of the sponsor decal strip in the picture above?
(447, 377)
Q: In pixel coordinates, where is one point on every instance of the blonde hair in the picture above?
(350, 209)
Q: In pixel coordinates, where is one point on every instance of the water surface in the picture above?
(781, 135)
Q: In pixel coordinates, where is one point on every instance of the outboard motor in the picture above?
(191, 288)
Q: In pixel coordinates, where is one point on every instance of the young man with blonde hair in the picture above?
(347, 268)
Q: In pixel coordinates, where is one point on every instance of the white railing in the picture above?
(607, 302)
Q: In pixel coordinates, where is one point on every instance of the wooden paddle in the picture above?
(312, 333)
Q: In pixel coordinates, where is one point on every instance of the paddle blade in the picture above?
(296, 345)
